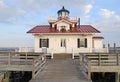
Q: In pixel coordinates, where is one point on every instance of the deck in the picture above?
(58, 70)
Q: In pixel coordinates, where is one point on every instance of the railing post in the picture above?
(117, 77)
(117, 62)
(114, 47)
(89, 70)
(26, 57)
(80, 58)
(9, 59)
(33, 69)
(52, 55)
(72, 54)
(99, 59)
(7, 75)
(45, 58)
(83, 58)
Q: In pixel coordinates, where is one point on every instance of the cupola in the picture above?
(63, 13)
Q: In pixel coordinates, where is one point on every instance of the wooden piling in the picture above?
(114, 47)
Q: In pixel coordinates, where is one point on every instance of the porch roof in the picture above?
(98, 37)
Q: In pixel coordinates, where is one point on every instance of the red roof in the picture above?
(98, 37)
(48, 29)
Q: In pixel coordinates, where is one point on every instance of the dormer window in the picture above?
(63, 27)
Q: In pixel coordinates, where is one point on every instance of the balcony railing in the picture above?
(53, 18)
(102, 50)
(26, 49)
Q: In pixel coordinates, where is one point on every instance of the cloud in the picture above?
(88, 8)
(20, 10)
(110, 21)
(106, 13)
(7, 13)
(117, 17)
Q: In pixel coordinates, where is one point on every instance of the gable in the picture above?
(63, 21)
(61, 24)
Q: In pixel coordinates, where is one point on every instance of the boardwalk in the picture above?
(58, 70)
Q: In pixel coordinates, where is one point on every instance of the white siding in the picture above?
(71, 43)
(97, 43)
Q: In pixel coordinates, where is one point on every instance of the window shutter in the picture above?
(61, 42)
(85, 42)
(47, 43)
(40, 43)
(78, 42)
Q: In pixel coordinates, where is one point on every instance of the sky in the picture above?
(19, 16)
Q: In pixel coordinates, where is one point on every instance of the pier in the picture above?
(45, 69)
(58, 70)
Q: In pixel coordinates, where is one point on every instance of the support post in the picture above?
(33, 69)
(117, 77)
(73, 55)
(108, 47)
(26, 57)
(7, 77)
(80, 58)
(99, 59)
(9, 58)
(52, 55)
(89, 70)
(117, 58)
(114, 47)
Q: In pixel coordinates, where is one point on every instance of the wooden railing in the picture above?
(98, 59)
(38, 65)
(35, 61)
(86, 65)
(15, 58)
(104, 59)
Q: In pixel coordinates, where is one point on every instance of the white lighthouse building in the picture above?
(64, 34)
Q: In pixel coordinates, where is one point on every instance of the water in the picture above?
(8, 48)
(20, 76)
(117, 49)
(103, 77)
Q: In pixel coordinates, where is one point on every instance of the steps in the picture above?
(62, 56)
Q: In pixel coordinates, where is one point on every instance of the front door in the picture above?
(63, 45)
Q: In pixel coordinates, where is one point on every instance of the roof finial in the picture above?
(63, 7)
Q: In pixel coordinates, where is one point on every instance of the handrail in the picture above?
(104, 59)
(38, 65)
(15, 58)
(86, 65)
(36, 60)
(98, 59)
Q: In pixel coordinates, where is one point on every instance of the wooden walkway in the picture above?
(58, 70)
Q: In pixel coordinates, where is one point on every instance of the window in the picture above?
(44, 43)
(63, 27)
(63, 42)
(82, 42)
